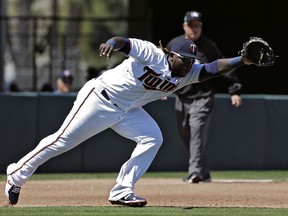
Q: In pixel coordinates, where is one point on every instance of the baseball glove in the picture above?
(258, 52)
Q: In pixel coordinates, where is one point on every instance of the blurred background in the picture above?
(41, 38)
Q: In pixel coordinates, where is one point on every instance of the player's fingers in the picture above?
(103, 49)
(106, 50)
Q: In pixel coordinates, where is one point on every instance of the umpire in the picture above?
(194, 103)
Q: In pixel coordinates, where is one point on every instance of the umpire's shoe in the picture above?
(196, 178)
(130, 200)
(12, 191)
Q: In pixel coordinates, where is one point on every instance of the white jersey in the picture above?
(144, 77)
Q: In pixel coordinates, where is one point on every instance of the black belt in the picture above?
(105, 95)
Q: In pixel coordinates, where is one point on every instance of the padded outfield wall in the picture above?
(251, 137)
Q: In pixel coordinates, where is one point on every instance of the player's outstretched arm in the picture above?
(222, 66)
(117, 43)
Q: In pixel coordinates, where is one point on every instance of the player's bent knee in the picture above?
(155, 140)
(158, 140)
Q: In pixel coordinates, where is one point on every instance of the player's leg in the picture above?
(139, 126)
(87, 117)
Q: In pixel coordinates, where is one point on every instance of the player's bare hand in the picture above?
(106, 49)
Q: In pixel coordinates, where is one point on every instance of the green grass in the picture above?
(149, 211)
(279, 176)
(275, 175)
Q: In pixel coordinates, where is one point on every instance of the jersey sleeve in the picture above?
(145, 51)
(193, 75)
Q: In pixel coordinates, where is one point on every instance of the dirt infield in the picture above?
(158, 192)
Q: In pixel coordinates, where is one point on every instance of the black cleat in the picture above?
(130, 200)
(12, 192)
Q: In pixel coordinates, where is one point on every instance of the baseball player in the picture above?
(114, 100)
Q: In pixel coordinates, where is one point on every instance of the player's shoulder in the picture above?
(141, 43)
(146, 51)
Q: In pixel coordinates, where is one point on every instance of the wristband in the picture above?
(111, 42)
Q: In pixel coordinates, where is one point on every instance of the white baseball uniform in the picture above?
(114, 100)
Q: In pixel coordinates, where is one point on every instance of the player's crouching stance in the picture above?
(114, 100)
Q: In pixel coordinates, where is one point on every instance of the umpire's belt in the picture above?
(105, 95)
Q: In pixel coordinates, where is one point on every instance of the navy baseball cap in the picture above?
(193, 15)
(67, 77)
(185, 47)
